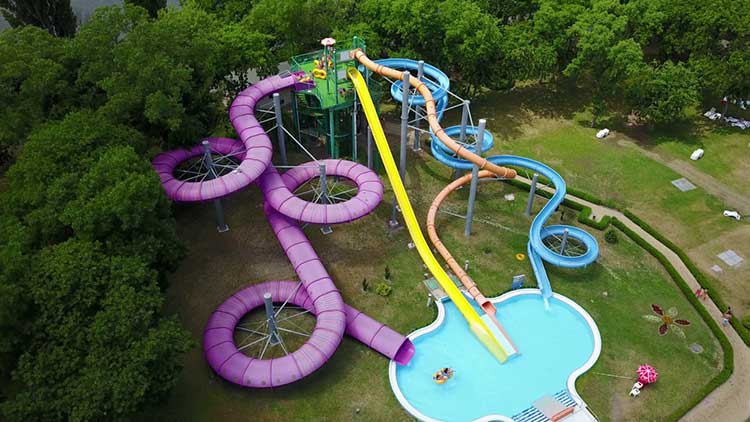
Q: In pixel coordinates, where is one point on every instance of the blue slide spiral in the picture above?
(538, 252)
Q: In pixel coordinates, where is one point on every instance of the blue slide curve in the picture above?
(538, 252)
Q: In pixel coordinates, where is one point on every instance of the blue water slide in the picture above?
(538, 252)
(434, 78)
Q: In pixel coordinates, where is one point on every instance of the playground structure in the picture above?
(220, 167)
(327, 111)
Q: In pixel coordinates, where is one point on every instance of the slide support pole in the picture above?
(295, 112)
(221, 226)
(417, 145)
(564, 242)
(404, 123)
(280, 128)
(402, 152)
(331, 137)
(462, 134)
(354, 129)
(369, 147)
(271, 318)
(474, 181)
(532, 191)
(326, 229)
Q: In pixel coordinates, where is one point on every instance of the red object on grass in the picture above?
(647, 374)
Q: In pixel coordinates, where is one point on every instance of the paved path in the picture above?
(731, 401)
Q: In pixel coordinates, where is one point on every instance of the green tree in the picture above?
(35, 85)
(152, 6)
(662, 94)
(165, 77)
(99, 349)
(82, 177)
(119, 201)
(605, 58)
(14, 267)
(55, 16)
(54, 158)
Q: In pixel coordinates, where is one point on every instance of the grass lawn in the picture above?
(356, 378)
(727, 151)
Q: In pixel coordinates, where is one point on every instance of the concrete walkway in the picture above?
(731, 401)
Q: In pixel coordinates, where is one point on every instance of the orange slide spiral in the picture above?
(429, 101)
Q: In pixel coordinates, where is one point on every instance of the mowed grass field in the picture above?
(354, 384)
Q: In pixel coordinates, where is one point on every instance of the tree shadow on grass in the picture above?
(687, 132)
(513, 109)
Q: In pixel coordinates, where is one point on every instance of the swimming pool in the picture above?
(555, 345)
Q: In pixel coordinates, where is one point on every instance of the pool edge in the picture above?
(498, 299)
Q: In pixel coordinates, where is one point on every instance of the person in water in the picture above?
(446, 372)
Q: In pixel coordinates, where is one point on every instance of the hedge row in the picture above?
(584, 215)
(704, 281)
(726, 372)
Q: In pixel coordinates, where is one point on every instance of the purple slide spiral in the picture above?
(284, 210)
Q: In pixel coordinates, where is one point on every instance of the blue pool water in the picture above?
(552, 344)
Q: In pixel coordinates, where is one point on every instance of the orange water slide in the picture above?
(487, 306)
(432, 118)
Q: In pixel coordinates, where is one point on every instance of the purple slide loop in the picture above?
(255, 144)
(193, 191)
(279, 192)
(232, 365)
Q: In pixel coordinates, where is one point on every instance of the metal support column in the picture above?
(418, 110)
(564, 241)
(474, 181)
(369, 147)
(331, 135)
(402, 152)
(221, 226)
(532, 191)
(271, 318)
(462, 134)
(404, 123)
(325, 229)
(354, 129)
(280, 128)
(295, 113)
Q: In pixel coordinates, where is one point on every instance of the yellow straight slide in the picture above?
(477, 325)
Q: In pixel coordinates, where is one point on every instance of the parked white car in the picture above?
(602, 133)
(733, 214)
(697, 154)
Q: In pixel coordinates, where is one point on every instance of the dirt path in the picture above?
(714, 187)
(730, 402)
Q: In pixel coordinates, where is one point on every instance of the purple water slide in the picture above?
(317, 292)
(278, 191)
(255, 145)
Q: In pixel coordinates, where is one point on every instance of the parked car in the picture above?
(697, 154)
(733, 214)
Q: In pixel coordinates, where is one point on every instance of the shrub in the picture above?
(611, 236)
(383, 289)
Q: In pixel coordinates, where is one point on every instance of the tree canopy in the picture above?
(55, 16)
